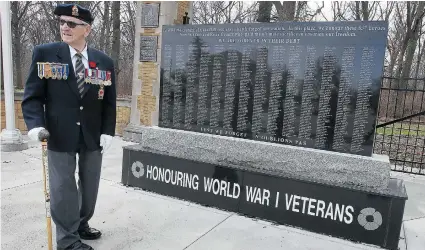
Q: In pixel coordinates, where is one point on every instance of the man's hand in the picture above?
(33, 134)
(105, 142)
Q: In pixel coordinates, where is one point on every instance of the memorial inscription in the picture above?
(148, 47)
(150, 15)
(309, 84)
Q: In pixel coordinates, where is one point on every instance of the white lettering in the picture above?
(207, 184)
(320, 208)
(266, 196)
(236, 193)
(256, 195)
(310, 206)
(149, 171)
(329, 211)
(288, 203)
(339, 212)
(304, 200)
(350, 216)
(155, 173)
(296, 198)
(277, 199)
(167, 173)
(195, 184)
(216, 186)
(180, 179)
(221, 187)
(171, 176)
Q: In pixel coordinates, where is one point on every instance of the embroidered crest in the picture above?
(75, 10)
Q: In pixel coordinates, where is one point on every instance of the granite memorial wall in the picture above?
(308, 84)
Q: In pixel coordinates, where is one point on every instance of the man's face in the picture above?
(71, 35)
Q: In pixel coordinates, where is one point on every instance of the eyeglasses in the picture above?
(70, 23)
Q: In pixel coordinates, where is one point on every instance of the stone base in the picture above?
(321, 166)
(361, 215)
(12, 147)
(11, 140)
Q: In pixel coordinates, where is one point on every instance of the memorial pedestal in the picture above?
(333, 197)
(274, 121)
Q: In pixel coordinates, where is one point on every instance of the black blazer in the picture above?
(57, 106)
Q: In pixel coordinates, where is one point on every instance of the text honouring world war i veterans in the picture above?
(348, 212)
(307, 84)
(253, 194)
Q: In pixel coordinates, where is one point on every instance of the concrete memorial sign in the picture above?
(274, 121)
(355, 214)
(307, 84)
(150, 15)
(148, 46)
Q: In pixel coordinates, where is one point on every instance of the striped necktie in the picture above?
(80, 73)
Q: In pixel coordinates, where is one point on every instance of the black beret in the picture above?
(74, 10)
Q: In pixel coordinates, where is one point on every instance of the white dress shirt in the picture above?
(85, 57)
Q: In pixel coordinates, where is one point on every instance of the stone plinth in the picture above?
(11, 140)
(287, 161)
(341, 195)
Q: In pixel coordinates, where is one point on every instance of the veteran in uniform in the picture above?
(71, 93)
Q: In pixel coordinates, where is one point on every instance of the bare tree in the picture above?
(285, 10)
(116, 30)
(19, 10)
(223, 12)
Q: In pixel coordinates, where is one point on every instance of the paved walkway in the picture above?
(135, 219)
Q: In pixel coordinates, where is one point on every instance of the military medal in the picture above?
(59, 68)
(108, 78)
(101, 92)
(65, 71)
(93, 76)
(47, 70)
(40, 66)
(99, 77)
(53, 69)
(86, 75)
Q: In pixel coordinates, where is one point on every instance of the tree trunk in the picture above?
(106, 25)
(116, 35)
(286, 11)
(48, 8)
(413, 41)
(264, 12)
(16, 37)
(358, 10)
(406, 55)
(365, 10)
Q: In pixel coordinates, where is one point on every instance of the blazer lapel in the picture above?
(65, 57)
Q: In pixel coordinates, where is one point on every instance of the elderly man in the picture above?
(71, 93)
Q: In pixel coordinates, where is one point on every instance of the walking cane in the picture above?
(43, 136)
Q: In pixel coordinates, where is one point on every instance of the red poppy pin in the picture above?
(92, 64)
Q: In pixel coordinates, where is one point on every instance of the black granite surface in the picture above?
(308, 84)
(331, 210)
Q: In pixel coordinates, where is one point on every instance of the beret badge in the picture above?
(75, 10)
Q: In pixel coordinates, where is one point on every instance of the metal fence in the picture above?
(400, 130)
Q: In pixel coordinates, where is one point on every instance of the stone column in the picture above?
(11, 138)
(146, 74)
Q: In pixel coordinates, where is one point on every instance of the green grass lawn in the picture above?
(402, 129)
